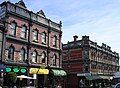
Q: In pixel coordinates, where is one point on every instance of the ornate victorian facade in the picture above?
(84, 57)
(30, 39)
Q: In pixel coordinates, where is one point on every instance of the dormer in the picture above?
(41, 13)
(21, 4)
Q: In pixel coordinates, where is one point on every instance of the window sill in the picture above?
(44, 43)
(33, 62)
(23, 38)
(36, 41)
(12, 35)
(55, 46)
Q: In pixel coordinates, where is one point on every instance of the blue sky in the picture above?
(99, 19)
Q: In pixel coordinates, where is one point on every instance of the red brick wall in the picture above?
(75, 54)
(20, 22)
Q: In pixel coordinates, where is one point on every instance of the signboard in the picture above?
(16, 69)
(38, 71)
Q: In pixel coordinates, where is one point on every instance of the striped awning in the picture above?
(58, 72)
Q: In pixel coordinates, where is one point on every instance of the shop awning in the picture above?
(24, 77)
(59, 72)
(38, 71)
(93, 77)
(105, 77)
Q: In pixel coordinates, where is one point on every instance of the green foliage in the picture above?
(10, 79)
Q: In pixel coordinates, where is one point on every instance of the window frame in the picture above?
(23, 54)
(54, 41)
(35, 35)
(54, 60)
(24, 32)
(11, 51)
(34, 55)
(13, 29)
(43, 36)
(43, 57)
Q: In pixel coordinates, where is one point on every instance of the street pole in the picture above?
(68, 67)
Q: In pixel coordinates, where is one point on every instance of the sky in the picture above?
(99, 19)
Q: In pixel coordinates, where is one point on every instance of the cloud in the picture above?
(100, 19)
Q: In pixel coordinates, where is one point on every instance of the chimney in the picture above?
(75, 38)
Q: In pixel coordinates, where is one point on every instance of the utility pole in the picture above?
(68, 66)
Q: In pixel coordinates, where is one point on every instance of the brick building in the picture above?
(31, 43)
(86, 60)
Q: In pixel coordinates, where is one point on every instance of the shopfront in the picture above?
(88, 80)
(50, 78)
(41, 76)
(57, 78)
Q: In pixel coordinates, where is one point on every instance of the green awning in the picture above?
(59, 72)
(105, 77)
(89, 77)
(93, 77)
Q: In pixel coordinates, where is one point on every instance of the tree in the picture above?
(10, 79)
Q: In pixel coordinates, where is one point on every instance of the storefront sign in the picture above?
(38, 71)
(16, 69)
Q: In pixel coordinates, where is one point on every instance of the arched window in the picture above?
(43, 37)
(13, 28)
(34, 57)
(11, 52)
(22, 54)
(43, 57)
(54, 60)
(23, 32)
(55, 41)
(35, 35)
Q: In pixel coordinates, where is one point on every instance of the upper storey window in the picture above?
(35, 35)
(55, 41)
(22, 54)
(44, 37)
(13, 28)
(43, 57)
(34, 57)
(11, 52)
(54, 60)
(23, 32)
